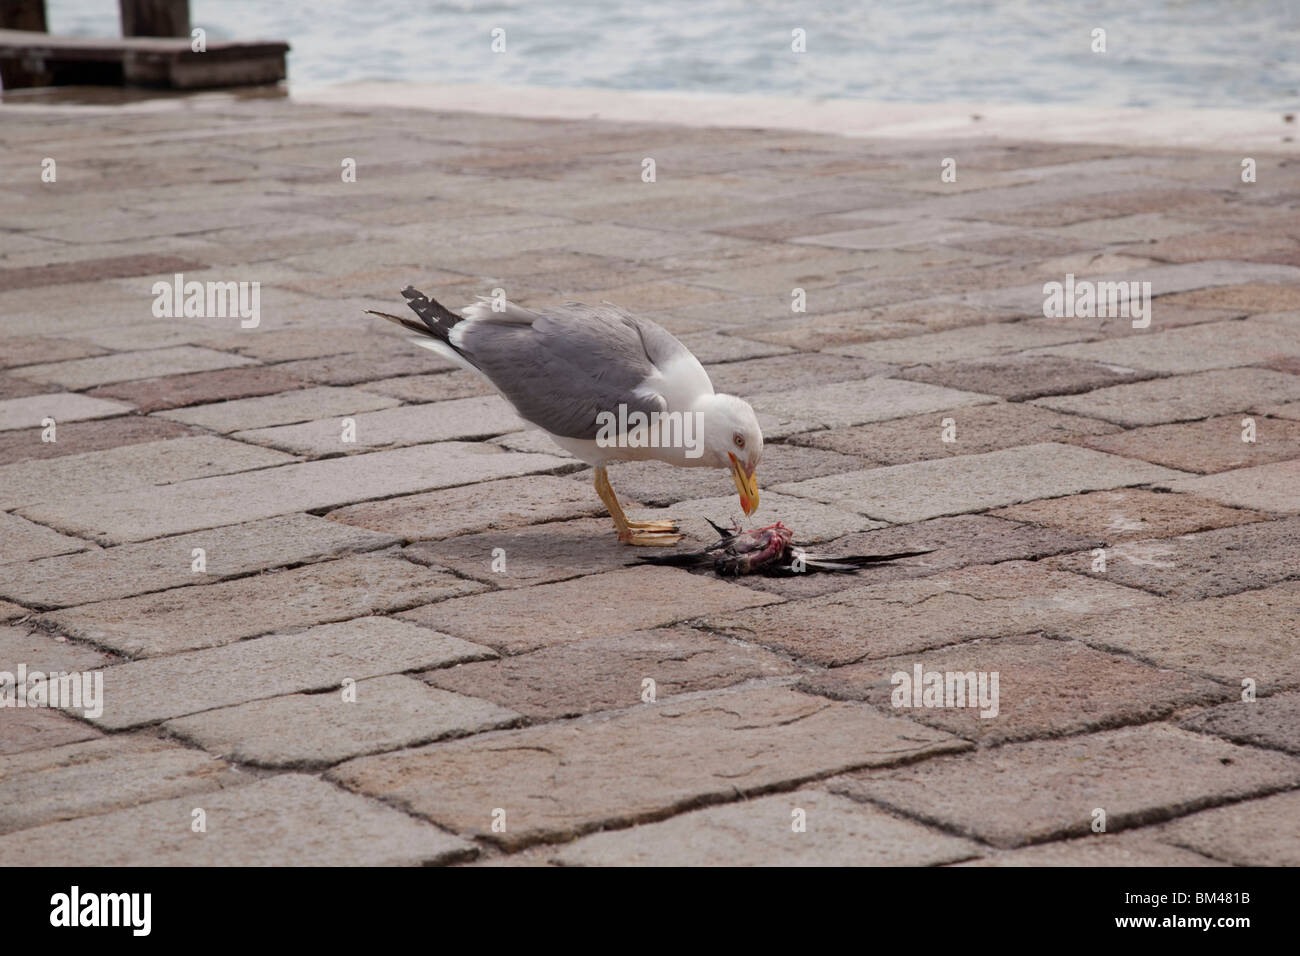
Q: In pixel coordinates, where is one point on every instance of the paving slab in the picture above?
(291, 818)
(233, 551)
(609, 673)
(560, 780)
(536, 554)
(1046, 688)
(38, 728)
(956, 345)
(48, 485)
(1287, 410)
(837, 832)
(96, 776)
(155, 334)
(882, 620)
(209, 615)
(1246, 297)
(1127, 848)
(25, 541)
(1203, 564)
(1218, 245)
(951, 543)
(465, 418)
(317, 659)
(532, 440)
(17, 350)
(1286, 363)
(1165, 281)
(1116, 328)
(1207, 446)
(354, 369)
(23, 644)
(1018, 378)
(286, 408)
(903, 493)
(284, 345)
(817, 270)
(655, 483)
(234, 499)
(509, 503)
(1272, 487)
(11, 386)
(433, 387)
(814, 523)
(12, 612)
(1272, 722)
(129, 366)
(31, 410)
(310, 731)
(523, 619)
(1129, 514)
(869, 400)
(866, 320)
(951, 231)
(1182, 398)
(976, 429)
(779, 373)
(1041, 790)
(1194, 348)
(824, 331)
(195, 388)
(1263, 832)
(712, 348)
(1236, 638)
(75, 438)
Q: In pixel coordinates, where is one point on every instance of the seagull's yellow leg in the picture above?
(643, 533)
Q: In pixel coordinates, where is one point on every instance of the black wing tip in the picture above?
(862, 560)
(912, 554)
(722, 532)
(684, 560)
(433, 313)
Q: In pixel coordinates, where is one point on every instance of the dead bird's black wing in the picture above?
(693, 559)
(801, 562)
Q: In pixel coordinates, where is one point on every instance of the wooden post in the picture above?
(23, 15)
(155, 18)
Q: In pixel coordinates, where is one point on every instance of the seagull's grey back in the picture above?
(561, 366)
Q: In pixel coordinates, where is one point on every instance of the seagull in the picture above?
(605, 385)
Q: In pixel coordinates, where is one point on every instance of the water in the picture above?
(1230, 53)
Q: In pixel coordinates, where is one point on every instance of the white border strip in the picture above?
(1258, 130)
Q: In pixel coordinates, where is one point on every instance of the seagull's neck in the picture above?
(707, 411)
(705, 403)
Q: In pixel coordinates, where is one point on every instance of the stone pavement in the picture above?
(311, 651)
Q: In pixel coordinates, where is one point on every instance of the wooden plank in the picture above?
(22, 15)
(145, 61)
(61, 44)
(155, 18)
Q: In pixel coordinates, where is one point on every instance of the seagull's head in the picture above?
(733, 440)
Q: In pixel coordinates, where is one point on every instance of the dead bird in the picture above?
(770, 551)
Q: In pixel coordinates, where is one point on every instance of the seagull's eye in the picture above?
(740, 440)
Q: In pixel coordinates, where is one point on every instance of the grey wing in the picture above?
(560, 368)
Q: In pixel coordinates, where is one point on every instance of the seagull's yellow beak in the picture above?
(746, 485)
